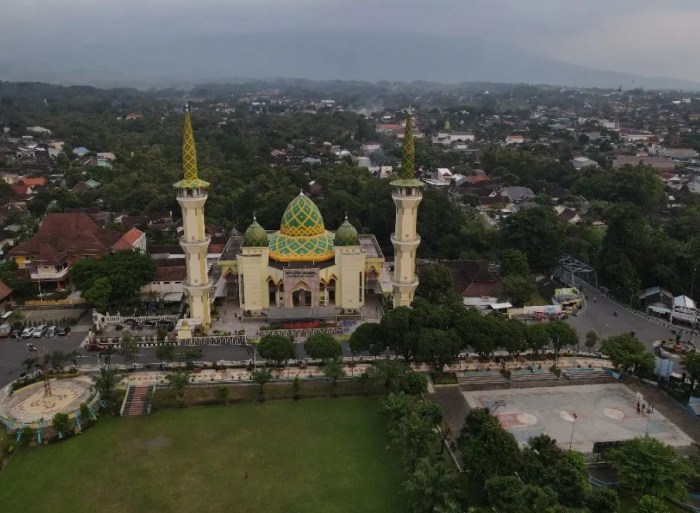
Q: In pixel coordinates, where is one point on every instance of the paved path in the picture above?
(454, 406)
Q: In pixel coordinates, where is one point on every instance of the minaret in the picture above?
(407, 197)
(191, 196)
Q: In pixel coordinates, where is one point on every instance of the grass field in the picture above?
(324, 455)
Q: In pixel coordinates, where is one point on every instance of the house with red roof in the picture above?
(65, 238)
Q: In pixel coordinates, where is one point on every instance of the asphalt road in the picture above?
(599, 316)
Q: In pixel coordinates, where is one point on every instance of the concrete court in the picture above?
(604, 413)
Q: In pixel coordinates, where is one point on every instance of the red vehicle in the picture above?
(94, 346)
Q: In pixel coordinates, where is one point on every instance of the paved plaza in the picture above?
(29, 404)
(597, 413)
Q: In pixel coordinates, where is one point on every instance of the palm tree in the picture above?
(261, 377)
(389, 373)
(178, 382)
(430, 487)
(106, 384)
(334, 369)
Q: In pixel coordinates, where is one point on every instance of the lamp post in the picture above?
(573, 426)
(692, 282)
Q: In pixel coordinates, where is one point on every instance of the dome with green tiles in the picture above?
(302, 236)
(346, 235)
(255, 236)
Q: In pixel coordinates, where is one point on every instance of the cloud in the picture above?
(650, 37)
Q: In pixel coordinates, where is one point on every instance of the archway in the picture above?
(301, 294)
(272, 292)
(331, 291)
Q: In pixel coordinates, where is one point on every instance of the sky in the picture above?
(644, 37)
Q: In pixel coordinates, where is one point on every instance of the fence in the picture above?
(335, 330)
(121, 319)
(55, 302)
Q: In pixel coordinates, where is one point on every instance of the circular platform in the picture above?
(30, 405)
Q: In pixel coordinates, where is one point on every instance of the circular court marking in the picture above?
(527, 418)
(566, 416)
(614, 413)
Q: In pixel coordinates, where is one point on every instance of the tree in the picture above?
(513, 336)
(651, 504)
(537, 337)
(262, 377)
(178, 381)
(334, 370)
(126, 271)
(646, 465)
(222, 393)
(561, 335)
(602, 500)
(368, 337)
(399, 332)
(106, 384)
(514, 262)
(322, 346)
(518, 289)
(296, 387)
(627, 353)
(691, 363)
(435, 283)
(591, 340)
(61, 423)
(430, 487)
(165, 352)
(536, 232)
(129, 347)
(98, 294)
(276, 348)
(487, 449)
(437, 347)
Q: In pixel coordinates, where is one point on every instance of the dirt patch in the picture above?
(154, 443)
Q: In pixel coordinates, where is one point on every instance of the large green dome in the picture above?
(302, 218)
(302, 236)
(255, 236)
(346, 235)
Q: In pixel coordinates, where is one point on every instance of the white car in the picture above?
(27, 332)
(40, 331)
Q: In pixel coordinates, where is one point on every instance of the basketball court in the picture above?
(578, 415)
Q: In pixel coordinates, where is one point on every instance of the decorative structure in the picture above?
(405, 239)
(301, 271)
(192, 196)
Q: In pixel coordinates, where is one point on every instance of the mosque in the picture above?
(301, 271)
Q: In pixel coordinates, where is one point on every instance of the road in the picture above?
(599, 316)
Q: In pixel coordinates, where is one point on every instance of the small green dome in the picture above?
(346, 235)
(255, 236)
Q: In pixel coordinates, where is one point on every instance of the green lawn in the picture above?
(323, 455)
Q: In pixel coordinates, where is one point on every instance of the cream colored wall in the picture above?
(193, 218)
(351, 271)
(252, 268)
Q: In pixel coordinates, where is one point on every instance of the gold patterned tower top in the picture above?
(409, 152)
(189, 158)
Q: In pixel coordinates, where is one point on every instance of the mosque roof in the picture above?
(255, 236)
(302, 235)
(346, 235)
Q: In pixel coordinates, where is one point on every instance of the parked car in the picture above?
(95, 346)
(27, 332)
(5, 329)
(40, 331)
(62, 331)
(51, 331)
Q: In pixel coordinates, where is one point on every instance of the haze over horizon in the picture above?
(592, 43)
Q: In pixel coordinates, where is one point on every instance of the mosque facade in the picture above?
(302, 270)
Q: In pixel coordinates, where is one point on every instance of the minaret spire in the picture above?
(409, 151)
(191, 178)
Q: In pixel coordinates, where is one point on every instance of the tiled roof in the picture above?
(66, 235)
(34, 181)
(473, 279)
(4, 290)
(170, 273)
(128, 240)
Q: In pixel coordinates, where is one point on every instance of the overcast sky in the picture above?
(645, 37)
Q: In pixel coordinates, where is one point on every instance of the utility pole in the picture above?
(573, 426)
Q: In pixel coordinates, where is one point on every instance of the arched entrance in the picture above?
(331, 291)
(272, 292)
(301, 294)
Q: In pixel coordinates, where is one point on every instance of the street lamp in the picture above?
(692, 282)
(573, 426)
